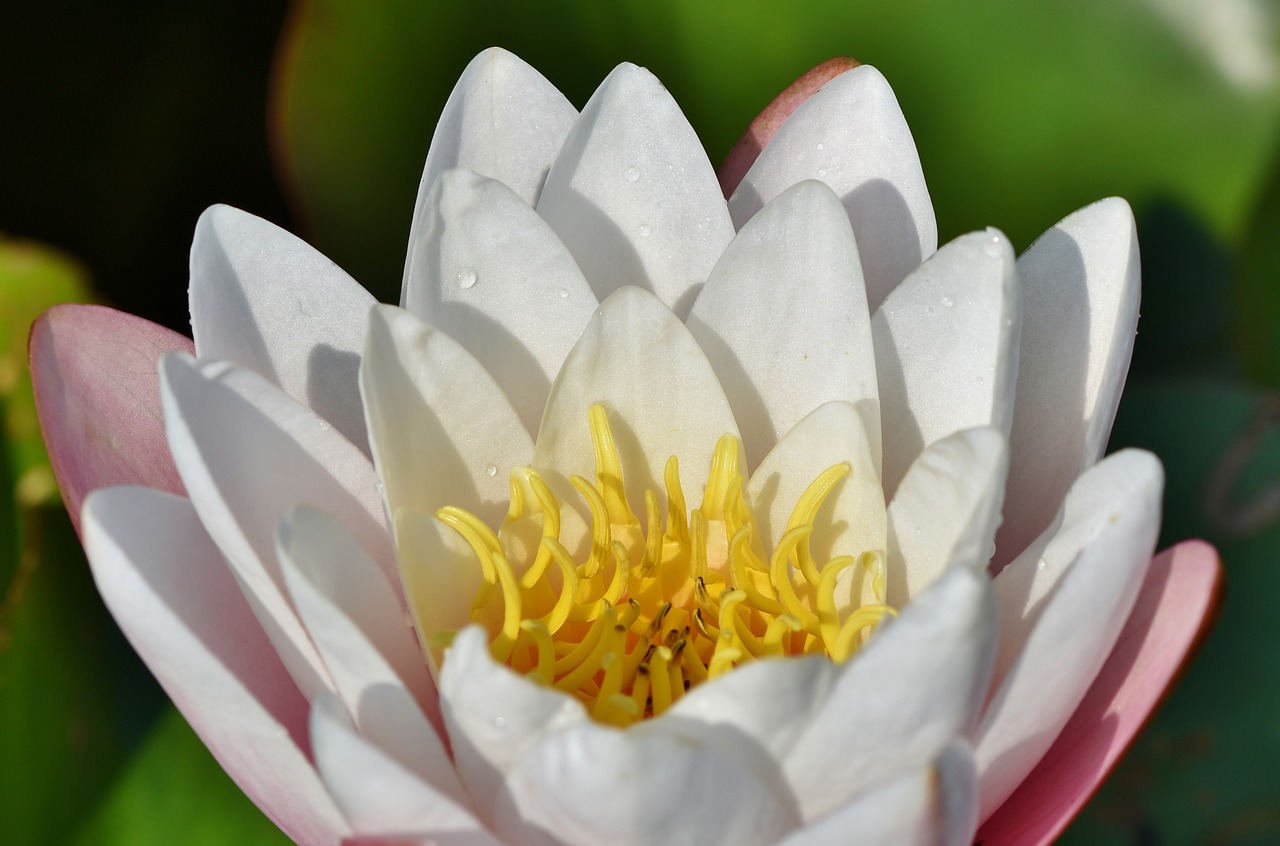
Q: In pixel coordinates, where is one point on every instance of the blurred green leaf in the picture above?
(173, 791)
(33, 278)
(1205, 770)
(1021, 111)
(73, 697)
(1258, 293)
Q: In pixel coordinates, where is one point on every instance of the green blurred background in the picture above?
(121, 122)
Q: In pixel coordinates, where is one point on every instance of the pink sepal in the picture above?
(1174, 611)
(98, 398)
(748, 147)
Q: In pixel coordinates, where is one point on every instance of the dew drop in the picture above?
(948, 302)
(1042, 563)
(466, 278)
(633, 174)
(564, 293)
(928, 309)
(499, 722)
(821, 146)
(643, 229)
(822, 173)
(491, 470)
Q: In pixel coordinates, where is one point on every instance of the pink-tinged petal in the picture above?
(1173, 612)
(98, 398)
(748, 147)
(172, 593)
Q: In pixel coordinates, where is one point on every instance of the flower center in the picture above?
(653, 609)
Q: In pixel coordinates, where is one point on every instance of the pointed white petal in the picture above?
(851, 135)
(645, 787)
(487, 270)
(495, 717)
(917, 684)
(783, 319)
(265, 299)
(504, 120)
(378, 794)
(170, 590)
(359, 629)
(853, 519)
(633, 196)
(663, 399)
(1062, 606)
(946, 510)
(442, 432)
(947, 348)
(934, 806)
(1079, 285)
(248, 453)
(440, 576)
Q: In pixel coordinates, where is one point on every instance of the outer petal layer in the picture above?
(98, 397)
(851, 134)
(1177, 602)
(1063, 603)
(1080, 289)
(172, 594)
(633, 196)
(263, 298)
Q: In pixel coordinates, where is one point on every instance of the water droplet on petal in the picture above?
(821, 146)
(564, 293)
(499, 722)
(466, 278)
(1042, 563)
(928, 309)
(643, 229)
(822, 173)
(948, 302)
(491, 470)
(633, 174)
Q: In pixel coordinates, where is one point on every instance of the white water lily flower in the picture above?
(649, 517)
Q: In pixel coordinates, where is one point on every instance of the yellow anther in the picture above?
(828, 615)
(545, 668)
(780, 575)
(677, 529)
(649, 611)
(806, 511)
(779, 628)
(609, 468)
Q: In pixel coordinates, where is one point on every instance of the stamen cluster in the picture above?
(656, 608)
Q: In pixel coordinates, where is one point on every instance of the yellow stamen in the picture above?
(656, 606)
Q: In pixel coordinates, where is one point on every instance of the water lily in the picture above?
(648, 517)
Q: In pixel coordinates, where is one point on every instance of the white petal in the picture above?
(494, 716)
(946, 510)
(946, 348)
(851, 135)
(248, 453)
(440, 575)
(933, 806)
(171, 592)
(1062, 606)
(594, 785)
(783, 319)
(265, 299)
(1079, 285)
(359, 629)
(487, 270)
(379, 795)
(916, 685)
(633, 196)
(663, 399)
(504, 120)
(853, 519)
(442, 432)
